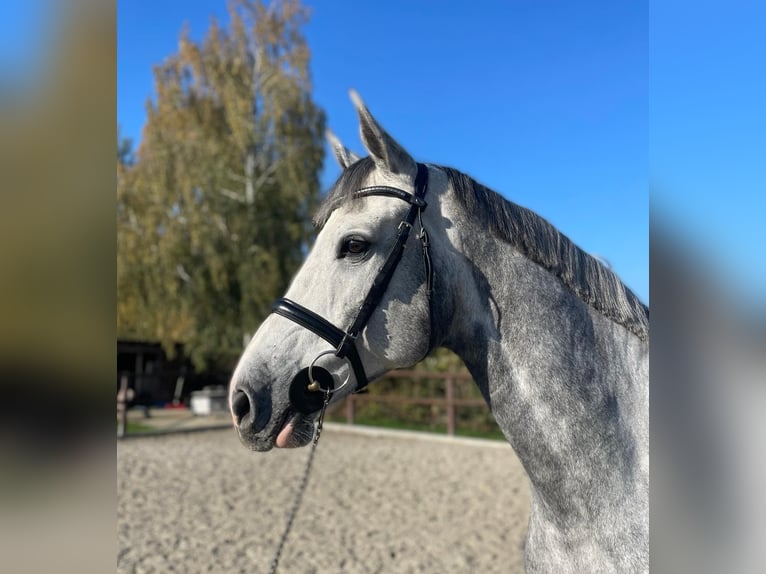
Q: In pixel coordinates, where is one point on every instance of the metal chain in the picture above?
(301, 488)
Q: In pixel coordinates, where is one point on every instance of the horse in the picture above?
(413, 257)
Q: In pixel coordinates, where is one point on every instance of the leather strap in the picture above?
(386, 272)
(344, 346)
(344, 341)
(385, 191)
(308, 319)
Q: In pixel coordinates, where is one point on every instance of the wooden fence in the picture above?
(448, 394)
(448, 401)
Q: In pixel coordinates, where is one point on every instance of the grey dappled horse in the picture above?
(557, 344)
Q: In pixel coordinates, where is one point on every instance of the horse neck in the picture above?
(565, 384)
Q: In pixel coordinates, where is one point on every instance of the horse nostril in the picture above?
(240, 405)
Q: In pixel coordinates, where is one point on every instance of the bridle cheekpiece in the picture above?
(303, 392)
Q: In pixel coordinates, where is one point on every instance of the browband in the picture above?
(394, 192)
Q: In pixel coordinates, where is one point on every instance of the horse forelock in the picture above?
(342, 191)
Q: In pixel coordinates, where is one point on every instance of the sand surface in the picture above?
(201, 502)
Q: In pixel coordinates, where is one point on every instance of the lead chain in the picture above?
(301, 487)
(327, 395)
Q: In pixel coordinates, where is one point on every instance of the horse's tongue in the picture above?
(284, 436)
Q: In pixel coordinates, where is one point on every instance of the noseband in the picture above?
(344, 341)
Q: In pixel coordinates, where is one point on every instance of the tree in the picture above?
(214, 214)
(125, 156)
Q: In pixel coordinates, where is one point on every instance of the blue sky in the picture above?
(708, 135)
(546, 103)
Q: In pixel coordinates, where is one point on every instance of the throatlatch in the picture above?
(312, 384)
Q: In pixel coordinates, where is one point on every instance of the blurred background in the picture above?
(177, 251)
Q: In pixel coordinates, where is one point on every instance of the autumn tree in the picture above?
(214, 212)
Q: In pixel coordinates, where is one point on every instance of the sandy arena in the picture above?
(376, 502)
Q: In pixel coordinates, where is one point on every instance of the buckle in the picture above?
(423, 236)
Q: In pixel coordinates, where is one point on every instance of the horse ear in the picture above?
(344, 155)
(386, 153)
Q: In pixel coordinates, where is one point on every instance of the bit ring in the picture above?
(314, 385)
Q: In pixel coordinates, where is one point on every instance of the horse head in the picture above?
(356, 308)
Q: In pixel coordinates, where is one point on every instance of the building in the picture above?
(157, 380)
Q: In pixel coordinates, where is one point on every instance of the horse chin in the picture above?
(286, 432)
(257, 444)
(297, 432)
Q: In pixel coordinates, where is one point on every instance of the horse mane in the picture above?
(588, 278)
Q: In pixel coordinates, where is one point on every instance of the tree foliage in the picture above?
(214, 212)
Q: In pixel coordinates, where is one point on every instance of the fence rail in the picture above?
(448, 401)
(162, 419)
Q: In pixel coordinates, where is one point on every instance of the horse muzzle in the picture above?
(252, 411)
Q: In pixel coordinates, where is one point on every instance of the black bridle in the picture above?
(344, 341)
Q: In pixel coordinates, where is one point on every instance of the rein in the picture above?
(343, 342)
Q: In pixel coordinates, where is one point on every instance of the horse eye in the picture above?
(354, 246)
